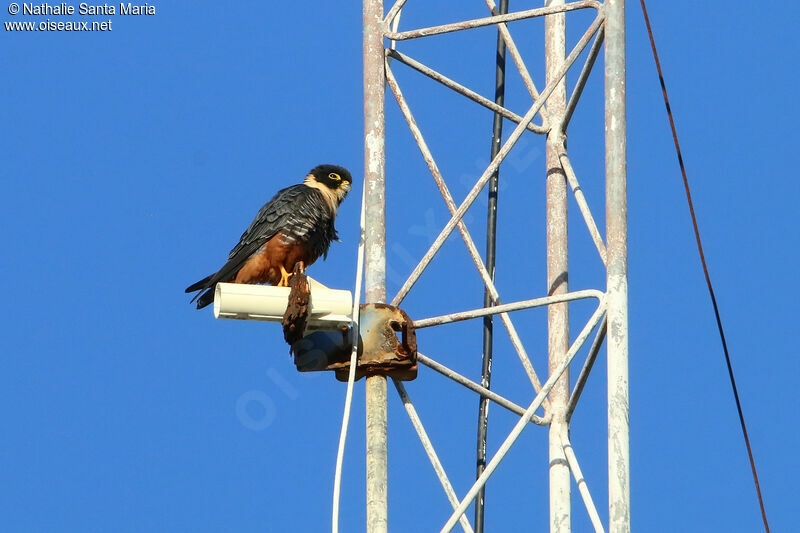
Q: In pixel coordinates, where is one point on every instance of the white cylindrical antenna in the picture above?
(328, 308)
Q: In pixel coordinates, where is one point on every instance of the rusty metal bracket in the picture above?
(380, 350)
(296, 316)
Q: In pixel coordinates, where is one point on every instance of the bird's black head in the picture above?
(332, 176)
(332, 181)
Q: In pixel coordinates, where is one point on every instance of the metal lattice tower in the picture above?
(557, 395)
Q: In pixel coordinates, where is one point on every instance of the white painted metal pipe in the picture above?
(512, 437)
(328, 308)
(557, 271)
(583, 488)
(431, 451)
(375, 255)
(619, 488)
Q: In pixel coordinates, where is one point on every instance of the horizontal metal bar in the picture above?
(587, 368)
(583, 488)
(486, 393)
(488, 21)
(505, 308)
(431, 451)
(515, 433)
(457, 87)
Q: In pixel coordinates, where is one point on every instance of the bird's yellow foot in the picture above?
(284, 282)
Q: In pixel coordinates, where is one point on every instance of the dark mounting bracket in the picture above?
(380, 351)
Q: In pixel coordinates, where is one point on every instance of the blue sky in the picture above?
(133, 159)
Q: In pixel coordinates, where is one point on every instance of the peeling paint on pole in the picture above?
(557, 272)
(617, 271)
(375, 254)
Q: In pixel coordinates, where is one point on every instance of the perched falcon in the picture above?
(295, 226)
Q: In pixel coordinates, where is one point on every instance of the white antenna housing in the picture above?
(328, 308)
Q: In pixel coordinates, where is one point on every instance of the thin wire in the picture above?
(348, 400)
(705, 267)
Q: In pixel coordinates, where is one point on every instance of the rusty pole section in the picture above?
(617, 271)
(375, 254)
(557, 280)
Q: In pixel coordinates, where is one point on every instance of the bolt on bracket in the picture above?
(380, 350)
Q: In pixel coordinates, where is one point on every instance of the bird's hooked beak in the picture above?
(346, 186)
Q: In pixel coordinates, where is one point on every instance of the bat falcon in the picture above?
(295, 226)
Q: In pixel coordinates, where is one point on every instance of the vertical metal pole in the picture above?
(491, 235)
(557, 277)
(375, 254)
(617, 274)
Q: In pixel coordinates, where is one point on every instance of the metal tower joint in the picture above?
(557, 139)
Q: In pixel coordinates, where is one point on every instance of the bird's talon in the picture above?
(284, 282)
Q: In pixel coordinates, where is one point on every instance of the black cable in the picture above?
(491, 234)
(705, 267)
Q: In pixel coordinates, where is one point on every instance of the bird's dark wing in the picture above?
(295, 211)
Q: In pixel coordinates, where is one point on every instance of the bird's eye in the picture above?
(334, 176)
